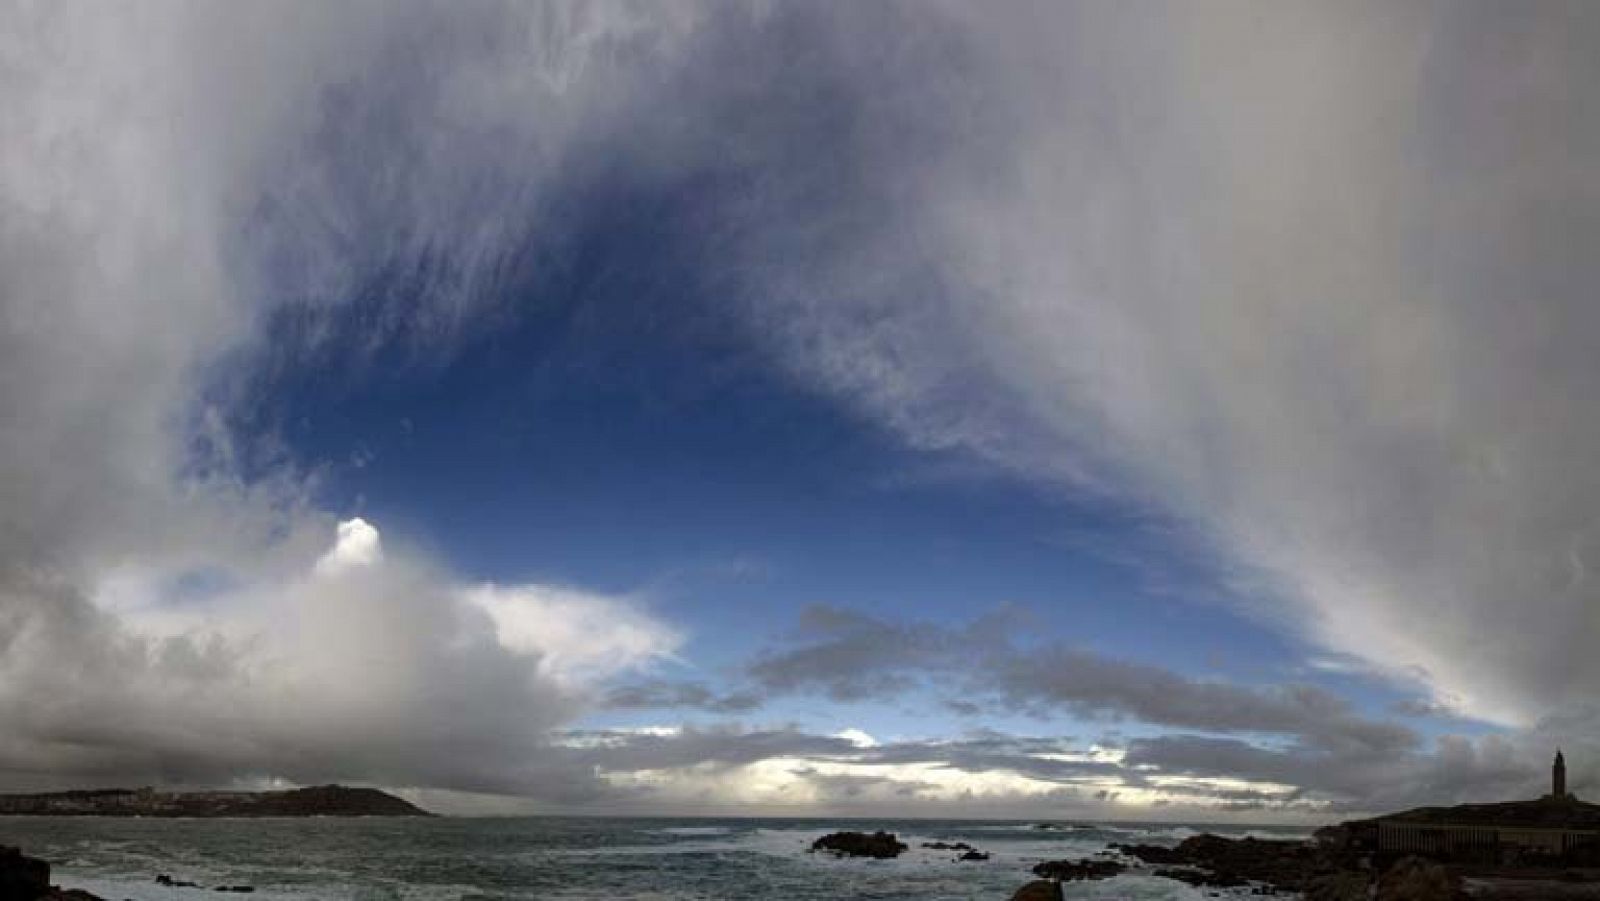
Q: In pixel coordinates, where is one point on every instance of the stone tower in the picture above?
(1558, 777)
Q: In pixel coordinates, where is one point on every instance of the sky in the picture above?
(1156, 411)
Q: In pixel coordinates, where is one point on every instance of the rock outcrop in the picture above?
(1339, 885)
(1042, 890)
(24, 878)
(1075, 870)
(880, 845)
(1217, 862)
(1152, 854)
(1415, 879)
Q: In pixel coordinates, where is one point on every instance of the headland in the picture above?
(314, 801)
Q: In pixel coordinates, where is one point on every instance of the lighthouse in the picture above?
(1558, 777)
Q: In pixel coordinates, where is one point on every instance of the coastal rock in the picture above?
(1415, 879)
(1200, 878)
(22, 878)
(1337, 838)
(1152, 854)
(1042, 890)
(1075, 870)
(880, 845)
(947, 846)
(974, 855)
(1340, 885)
(1217, 862)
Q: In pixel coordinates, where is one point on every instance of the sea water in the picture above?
(465, 859)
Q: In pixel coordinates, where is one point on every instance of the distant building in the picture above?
(1558, 826)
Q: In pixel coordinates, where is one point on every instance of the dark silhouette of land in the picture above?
(316, 801)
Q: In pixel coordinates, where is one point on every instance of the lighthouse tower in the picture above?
(1558, 777)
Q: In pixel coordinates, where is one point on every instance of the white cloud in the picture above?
(376, 668)
(575, 635)
(856, 737)
(357, 546)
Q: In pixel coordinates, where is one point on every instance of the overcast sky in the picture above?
(1143, 410)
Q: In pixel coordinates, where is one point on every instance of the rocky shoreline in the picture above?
(1325, 868)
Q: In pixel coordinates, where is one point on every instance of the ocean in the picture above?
(472, 859)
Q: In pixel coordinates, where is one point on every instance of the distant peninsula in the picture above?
(316, 801)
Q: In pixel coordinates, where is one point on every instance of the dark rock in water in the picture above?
(22, 878)
(164, 879)
(947, 846)
(878, 845)
(1415, 879)
(1042, 890)
(1075, 870)
(241, 889)
(973, 855)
